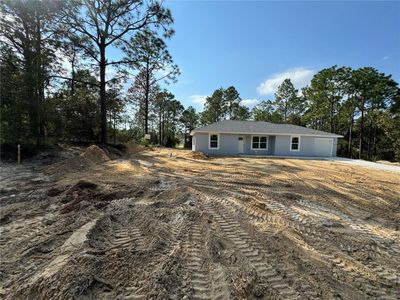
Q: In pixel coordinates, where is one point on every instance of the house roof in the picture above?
(258, 127)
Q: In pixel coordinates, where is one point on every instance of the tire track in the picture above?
(126, 238)
(245, 246)
(219, 287)
(171, 233)
(357, 225)
(342, 263)
(195, 262)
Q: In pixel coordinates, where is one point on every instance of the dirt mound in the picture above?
(95, 154)
(92, 155)
(228, 228)
(133, 149)
(86, 194)
(114, 151)
(198, 155)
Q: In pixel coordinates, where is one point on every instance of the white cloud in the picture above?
(249, 102)
(385, 58)
(300, 77)
(198, 99)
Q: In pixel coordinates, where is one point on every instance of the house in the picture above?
(231, 137)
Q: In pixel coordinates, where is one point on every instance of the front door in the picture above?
(241, 144)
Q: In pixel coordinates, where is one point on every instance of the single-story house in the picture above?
(231, 137)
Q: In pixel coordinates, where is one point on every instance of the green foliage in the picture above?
(354, 103)
(154, 64)
(144, 142)
(76, 115)
(14, 106)
(224, 104)
(325, 94)
(40, 104)
(214, 108)
(189, 119)
(26, 27)
(242, 113)
(231, 103)
(265, 111)
(363, 105)
(286, 100)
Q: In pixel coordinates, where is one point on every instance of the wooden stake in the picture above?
(19, 153)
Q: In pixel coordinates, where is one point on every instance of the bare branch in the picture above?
(76, 80)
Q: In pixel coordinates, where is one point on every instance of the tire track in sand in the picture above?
(172, 231)
(205, 284)
(246, 248)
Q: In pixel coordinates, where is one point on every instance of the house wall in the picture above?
(307, 146)
(277, 145)
(334, 148)
(249, 151)
(229, 145)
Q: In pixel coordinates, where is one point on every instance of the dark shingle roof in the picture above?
(251, 127)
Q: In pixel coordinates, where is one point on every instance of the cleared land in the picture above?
(172, 224)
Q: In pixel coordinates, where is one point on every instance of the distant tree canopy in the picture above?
(224, 104)
(362, 105)
(38, 31)
(84, 96)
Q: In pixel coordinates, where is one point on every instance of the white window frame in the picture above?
(259, 141)
(209, 141)
(290, 145)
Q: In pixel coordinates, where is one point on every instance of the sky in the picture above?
(255, 45)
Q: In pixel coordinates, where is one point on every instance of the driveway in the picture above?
(366, 164)
(354, 162)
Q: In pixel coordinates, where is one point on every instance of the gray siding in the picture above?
(277, 145)
(249, 151)
(334, 148)
(307, 147)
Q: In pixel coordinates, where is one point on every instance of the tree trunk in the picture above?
(361, 131)
(332, 127)
(369, 139)
(115, 138)
(103, 107)
(73, 73)
(351, 123)
(41, 125)
(146, 105)
(374, 141)
(173, 130)
(286, 108)
(159, 125)
(162, 128)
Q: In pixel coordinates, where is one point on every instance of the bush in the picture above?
(144, 142)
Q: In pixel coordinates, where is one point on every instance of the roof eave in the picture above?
(268, 133)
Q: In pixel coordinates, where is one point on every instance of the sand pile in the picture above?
(94, 154)
(198, 155)
(90, 156)
(195, 229)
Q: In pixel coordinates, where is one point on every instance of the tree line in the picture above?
(92, 71)
(65, 67)
(363, 105)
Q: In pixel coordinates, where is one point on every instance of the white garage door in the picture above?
(323, 147)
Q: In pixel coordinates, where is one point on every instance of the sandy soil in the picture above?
(165, 224)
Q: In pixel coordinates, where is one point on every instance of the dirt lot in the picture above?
(167, 224)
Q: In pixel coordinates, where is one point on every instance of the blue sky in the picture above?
(254, 45)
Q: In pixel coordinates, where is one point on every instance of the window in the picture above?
(259, 142)
(213, 144)
(295, 143)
